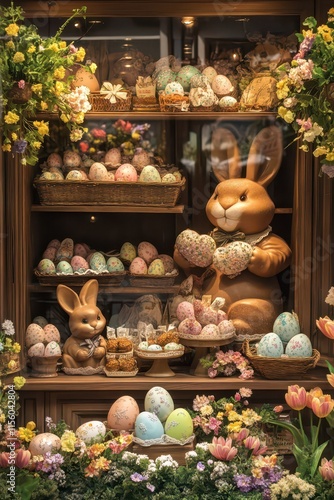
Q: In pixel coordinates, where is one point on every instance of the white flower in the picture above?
(330, 297)
(8, 327)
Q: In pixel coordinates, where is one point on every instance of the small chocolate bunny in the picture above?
(85, 347)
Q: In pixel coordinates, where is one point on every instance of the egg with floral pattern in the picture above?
(46, 266)
(299, 347)
(127, 252)
(64, 267)
(184, 76)
(179, 425)
(122, 414)
(270, 346)
(156, 268)
(174, 88)
(164, 77)
(98, 262)
(286, 326)
(159, 402)
(91, 432)
(114, 265)
(52, 349)
(147, 251)
(190, 326)
(148, 426)
(43, 443)
(138, 266)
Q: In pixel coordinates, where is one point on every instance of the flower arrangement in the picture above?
(39, 67)
(9, 349)
(227, 364)
(306, 90)
(9, 399)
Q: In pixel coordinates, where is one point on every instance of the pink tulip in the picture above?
(316, 392)
(253, 443)
(4, 457)
(296, 397)
(330, 378)
(326, 469)
(222, 449)
(326, 326)
(242, 434)
(22, 458)
(322, 406)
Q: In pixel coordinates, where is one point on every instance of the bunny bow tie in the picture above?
(92, 344)
(222, 237)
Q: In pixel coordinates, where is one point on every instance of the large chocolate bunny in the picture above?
(241, 211)
(85, 347)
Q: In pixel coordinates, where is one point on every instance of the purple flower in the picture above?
(137, 478)
(200, 466)
(19, 146)
(21, 84)
(244, 483)
(150, 487)
(212, 373)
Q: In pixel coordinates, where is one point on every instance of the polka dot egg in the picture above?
(46, 266)
(184, 76)
(210, 73)
(114, 265)
(221, 85)
(34, 334)
(164, 77)
(159, 402)
(156, 268)
(174, 88)
(51, 333)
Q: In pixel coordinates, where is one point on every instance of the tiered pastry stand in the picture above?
(160, 366)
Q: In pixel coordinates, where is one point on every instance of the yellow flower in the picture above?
(331, 11)
(321, 150)
(80, 55)
(12, 365)
(206, 410)
(11, 118)
(68, 441)
(286, 114)
(220, 415)
(37, 144)
(249, 417)
(79, 117)
(59, 88)
(308, 33)
(135, 136)
(25, 434)
(76, 135)
(233, 416)
(8, 342)
(42, 127)
(14, 136)
(44, 105)
(37, 87)
(12, 29)
(64, 118)
(330, 156)
(2, 418)
(54, 47)
(18, 57)
(229, 407)
(62, 45)
(93, 67)
(304, 148)
(31, 425)
(326, 32)
(59, 73)
(10, 45)
(6, 147)
(31, 49)
(16, 347)
(19, 382)
(234, 427)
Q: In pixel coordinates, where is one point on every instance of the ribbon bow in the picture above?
(92, 344)
(222, 237)
(113, 92)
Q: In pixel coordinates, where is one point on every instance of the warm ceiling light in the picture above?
(188, 21)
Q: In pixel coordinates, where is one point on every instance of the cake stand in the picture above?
(160, 366)
(202, 347)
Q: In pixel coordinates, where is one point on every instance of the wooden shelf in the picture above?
(178, 209)
(121, 290)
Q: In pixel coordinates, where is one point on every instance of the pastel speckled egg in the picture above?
(72, 159)
(91, 432)
(81, 250)
(122, 414)
(46, 266)
(232, 258)
(114, 265)
(98, 172)
(51, 333)
(299, 346)
(184, 76)
(156, 268)
(113, 157)
(64, 267)
(128, 252)
(168, 262)
(190, 326)
(79, 264)
(185, 310)
(54, 243)
(138, 266)
(74, 175)
(270, 346)
(49, 253)
(210, 330)
(210, 73)
(54, 160)
(173, 346)
(174, 88)
(226, 327)
(227, 102)
(126, 173)
(52, 349)
(286, 326)
(154, 347)
(42, 443)
(143, 345)
(221, 85)
(179, 425)
(98, 262)
(40, 320)
(159, 402)
(34, 334)
(36, 350)
(149, 174)
(148, 426)
(147, 251)
(164, 77)
(169, 178)
(197, 249)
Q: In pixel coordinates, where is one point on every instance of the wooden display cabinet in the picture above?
(304, 217)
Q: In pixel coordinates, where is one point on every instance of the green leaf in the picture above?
(330, 366)
(316, 458)
(311, 22)
(25, 485)
(297, 435)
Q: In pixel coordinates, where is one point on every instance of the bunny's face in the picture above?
(240, 204)
(86, 322)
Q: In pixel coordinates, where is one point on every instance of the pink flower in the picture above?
(22, 459)
(21, 84)
(326, 326)
(322, 406)
(305, 124)
(212, 373)
(242, 434)
(237, 396)
(278, 409)
(245, 392)
(296, 397)
(222, 449)
(253, 443)
(214, 425)
(326, 469)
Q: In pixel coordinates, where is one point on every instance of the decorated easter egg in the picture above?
(51, 333)
(190, 326)
(143, 345)
(54, 160)
(113, 157)
(65, 251)
(36, 350)
(138, 266)
(149, 174)
(91, 432)
(210, 73)
(154, 347)
(147, 251)
(164, 77)
(54, 243)
(42, 443)
(110, 176)
(174, 88)
(232, 258)
(185, 310)
(141, 159)
(40, 320)
(84, 77)
(126, 173)
(122, 414)
(173, 346)
(52, 349)
(184, 76)
(227, 101)
(49, 253)
(114, 265)
(74, 175)
(179, 425)
(148, 426)
(167, 261)
(159, 402)
(64, 267)
(98, 172)
(299, 346)
(270, 346)
(128, 252)
(210, 330)
(81, 250)
(34, 334)
(199, 80)
(57, 172)
(98, 262)
(71, 159)
(286, 326)
(79, 264)
(46, 266)
(197, 249)
(221, 85)
(156, 268)
(226, 327)
(168, 178)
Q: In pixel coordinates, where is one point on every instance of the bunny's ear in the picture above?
(265, 155)
(67, 298)
(89, 291)
(225, 156)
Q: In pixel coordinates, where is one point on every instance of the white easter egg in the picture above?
(159, 402)
(270, 346)
(154, 347)
(299, 346)
(91, 432)
(42, 443)
(52, 349)
(286, 326)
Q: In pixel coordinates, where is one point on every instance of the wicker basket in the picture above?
(100, 103)
(203, 109)
(173, 102)
(110, 279)
(150, 280)
(279, 368)
(154, 194)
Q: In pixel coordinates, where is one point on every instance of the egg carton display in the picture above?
(284, 352)
(70, 180)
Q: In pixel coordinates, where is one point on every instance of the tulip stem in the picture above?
(305, 440)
